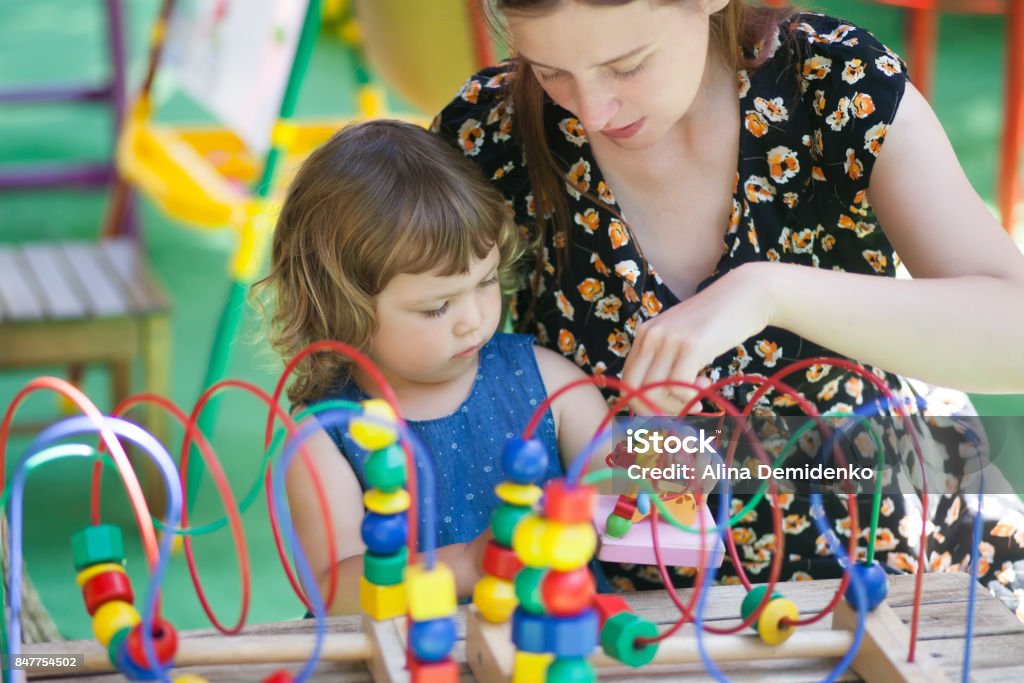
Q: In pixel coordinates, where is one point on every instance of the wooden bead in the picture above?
(619, 636)
(445, 671)
(769, 625)
(386, 570)
(625, 507)
(501, 562)
(96, 544)
(279, 676)
(504, 522)
(569, 505)
(165, 643)
(431, 592)
(378, 433)
(874, 581)
(111, 617)
(131, 669)
(107, 586)
(115, 644)
(571, 636)
(524, 495)
(566, 593)
(495, 598)
(530, 667)
(608, 605)
(528, 542)
(86, 574)
(617, 526)
(528, 589)
(386, 469)
(528, 631)
(384, 503)
(384, 534)
(432, 640)
(568, 546)
(381, 602)
(752, 599)
(571, 670)
(192, 678)
(524, 461)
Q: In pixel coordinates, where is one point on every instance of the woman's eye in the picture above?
(548, 77)
(632, 72)
(437, 312)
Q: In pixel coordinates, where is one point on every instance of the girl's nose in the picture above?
(469, 320)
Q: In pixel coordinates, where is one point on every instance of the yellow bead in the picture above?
(95, 569)
(383, 503)
(431, 592)
(528, 541)
(189, 678)
(768, 626)
(495, 598)
(111, 617)
(381, 602)
(568, 546)
(530, 667)
(523, 495)
(373, 435)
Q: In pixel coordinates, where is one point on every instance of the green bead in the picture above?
(618, 639)
(95, 544)
(527, 584)
(504, 521)
(571, 670)
(753, 599)
(618, 526)
(385, 469)
(385, 570)
(115, 643)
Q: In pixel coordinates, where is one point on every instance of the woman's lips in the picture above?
(623, 132)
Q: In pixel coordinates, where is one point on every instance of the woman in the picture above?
(724, 187)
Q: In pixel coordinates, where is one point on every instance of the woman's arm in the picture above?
(345, 501)
(959, 323)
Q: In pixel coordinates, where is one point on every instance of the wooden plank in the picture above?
(882, 656)
(21, 300)
(53, 343)
(124, 257)
(102, 289)
(60, 293)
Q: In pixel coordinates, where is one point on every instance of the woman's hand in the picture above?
(682, 340)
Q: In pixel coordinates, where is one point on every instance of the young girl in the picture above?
(390, 241)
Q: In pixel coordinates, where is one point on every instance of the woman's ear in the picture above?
(713, 6)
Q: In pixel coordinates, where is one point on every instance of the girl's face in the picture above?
(627, 72)
(430, 327)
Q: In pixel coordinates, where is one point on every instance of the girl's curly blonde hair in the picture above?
(378, 199)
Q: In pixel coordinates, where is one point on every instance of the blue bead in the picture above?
(574, 636)
(432, 640)
(525, 461)
(384, 534)
(131, 670)
(529, 631)
(875, 583)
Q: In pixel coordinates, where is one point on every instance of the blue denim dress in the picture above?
(466, 446)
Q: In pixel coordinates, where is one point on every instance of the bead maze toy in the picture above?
(535, 615)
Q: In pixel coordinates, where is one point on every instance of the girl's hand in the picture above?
(682, 340)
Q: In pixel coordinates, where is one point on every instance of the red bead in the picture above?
(571, 505)
(625, 507)
(445, 671)
(279, 676)
(567, 593)
(165, 643)
(501, 562)
(608, 605)
(106, 587)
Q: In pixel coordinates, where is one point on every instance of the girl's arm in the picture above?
(345, 501)
(959, 323)
(578, 412)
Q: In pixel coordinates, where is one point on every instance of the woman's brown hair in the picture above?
(379, 199)
(737, 31)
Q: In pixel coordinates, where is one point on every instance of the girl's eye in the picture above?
(489, 282)
(437, 312)
(632, 72)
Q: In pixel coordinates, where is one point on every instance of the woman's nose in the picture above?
(595, 108)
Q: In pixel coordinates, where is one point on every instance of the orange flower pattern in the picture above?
(813, 121)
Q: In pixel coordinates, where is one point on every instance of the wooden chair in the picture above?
(74, 303)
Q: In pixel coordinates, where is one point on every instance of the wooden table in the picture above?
(997, 654)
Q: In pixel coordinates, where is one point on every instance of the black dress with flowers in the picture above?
(814, 119)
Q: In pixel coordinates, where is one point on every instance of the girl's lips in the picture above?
(623, 132)
(468, 352)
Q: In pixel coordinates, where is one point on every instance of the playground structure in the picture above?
(535, 614)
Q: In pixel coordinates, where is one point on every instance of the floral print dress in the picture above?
(814, 118)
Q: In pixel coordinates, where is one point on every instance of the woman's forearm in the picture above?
(965, 333)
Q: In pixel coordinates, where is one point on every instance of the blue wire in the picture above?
(965, 674)
(580, 461)
(71, 427)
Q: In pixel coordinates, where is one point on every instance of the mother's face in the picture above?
(627, 72)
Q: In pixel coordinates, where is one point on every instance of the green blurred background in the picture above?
(63, 40)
